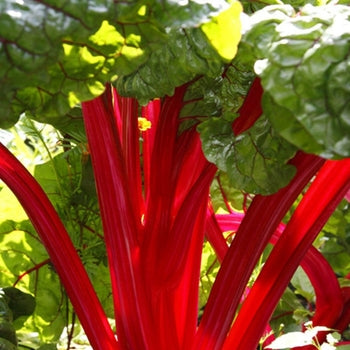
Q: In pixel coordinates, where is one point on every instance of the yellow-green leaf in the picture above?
(224, 31)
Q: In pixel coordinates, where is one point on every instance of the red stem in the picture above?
(214, 234)
(151, 112)
(251, 109)
(177, 180)
(329, 299)
(34, 268)
(162, 183)
(321, 199)
(175, 251)
(60, 249)
(131, 151)
(120, 224)
(261, 220)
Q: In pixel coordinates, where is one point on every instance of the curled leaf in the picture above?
(255, 161)
(303, 64)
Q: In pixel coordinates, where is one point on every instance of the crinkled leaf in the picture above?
(253, 6)
(21, 250)
(20, 303)
(304, 66)
(31, 47)
(185, 55)
(187, 13)
(255, 161)
(54, 54)
(219, 96)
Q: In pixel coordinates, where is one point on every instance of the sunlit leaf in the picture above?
(303, 63)
(224, 31)
(290, 340)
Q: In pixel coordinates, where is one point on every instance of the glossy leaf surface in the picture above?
(302, 60)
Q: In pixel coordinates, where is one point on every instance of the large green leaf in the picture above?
(303, 63)
(54, 54)
(185, 55)
(21, 251)
(255, 161)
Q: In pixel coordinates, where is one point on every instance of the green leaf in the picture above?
(47, 347)
(8, 332)
(289, 312)
(220, 185)
(5, 311)
(20, 303)
(224, 31)
(334, 240)
(302, 285)
(21, 250)
(303, 63)
(255, 161)
(209, 269)
(69, 181)
(6, 345)
(186, 13)
(185, 55)
(55, 54)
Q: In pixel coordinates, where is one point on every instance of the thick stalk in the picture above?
(120, 225)
(131, 150)
(251, 109)
(329, 299)
(60, 249)
(317, 205)
(261, 220)
(213, 233)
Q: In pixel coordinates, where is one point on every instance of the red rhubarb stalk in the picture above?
(317, 205)
(329, 298)
(120, 224)
(131, 150)
(60, 249)
(213, 233)
(255, 231)
(177, 179)
(251, 109)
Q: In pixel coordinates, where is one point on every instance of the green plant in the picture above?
(150, 102)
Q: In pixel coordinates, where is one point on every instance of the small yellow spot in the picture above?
(144, 124)
(142, 10)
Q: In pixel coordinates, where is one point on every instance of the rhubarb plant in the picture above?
(181, 124)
